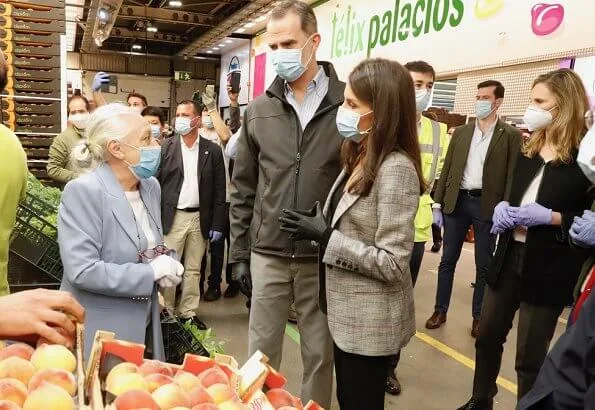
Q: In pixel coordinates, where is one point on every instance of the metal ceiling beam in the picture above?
(227, 26)
(166, 15)
(161, 37)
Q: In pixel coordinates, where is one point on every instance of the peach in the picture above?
(155, 366)
(187, 381)
(122, 368)
(280, 398)
(59, 377)
(206, 406)
(8, 405)
(13, 390)
(170, 396)
(180, 408)
(135, 399)
(49, 397)
(233, 405)
(18, 349)
(212, 376)
(157, 380)
(288, 408)
(53, 357)
(222, 393)
(17, 368)
(200, 395)
(122, 383)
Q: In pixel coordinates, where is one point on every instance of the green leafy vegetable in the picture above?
(207, 338)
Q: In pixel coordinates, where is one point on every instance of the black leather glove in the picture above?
(240, 271)
(302, 226)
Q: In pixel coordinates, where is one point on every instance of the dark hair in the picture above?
(198, 106)
(78, 97)
(498, 91)
(137, 95)
(154, 112)
(421, 67)
(387, 86)
(303, 10)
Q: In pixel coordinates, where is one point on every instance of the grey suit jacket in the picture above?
(368, 282)
(99, 244)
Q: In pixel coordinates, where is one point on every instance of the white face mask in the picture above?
(422, 99)
(79, 120)
(586, 155)
(207, 123)
(537, 118)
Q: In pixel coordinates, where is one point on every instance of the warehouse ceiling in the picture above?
(163, 27)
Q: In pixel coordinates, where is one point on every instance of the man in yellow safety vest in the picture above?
(433, 142)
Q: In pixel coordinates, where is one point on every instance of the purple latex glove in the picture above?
(582, 231)
(532, 215)
(215, 236)
(502, 219)
(438, 218)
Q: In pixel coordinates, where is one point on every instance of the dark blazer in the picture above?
(497, 169)
(211, 184)
(551, 266)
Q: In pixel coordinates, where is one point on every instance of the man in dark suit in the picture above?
(477, 175)
(192, 178)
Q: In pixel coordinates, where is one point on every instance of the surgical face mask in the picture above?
(148, 165)
(183, 125)
(422, 99)
(288, 62)
(347, 124)
(137, 108)
(207, 123)
(586, 155)
(483, 109)
(537, 118)
(155, 131)
(79, 120)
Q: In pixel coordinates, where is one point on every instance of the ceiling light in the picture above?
(215, 48)
(136, 46)
(261, 18)
(175, 3)
(209, 52)
(221, 45)
(249, 25)
(152, 29)
(240, 30)
(229, 41)
(102, 15)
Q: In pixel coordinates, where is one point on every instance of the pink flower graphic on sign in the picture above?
(546, 18)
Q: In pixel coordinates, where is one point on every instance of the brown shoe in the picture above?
(475, 328)
(437, 319)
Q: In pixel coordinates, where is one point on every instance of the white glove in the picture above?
(168, 271)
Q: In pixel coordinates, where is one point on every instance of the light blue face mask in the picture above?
(422, 99)
(288, 62)
(155, 131)
(483, 109)
(348, 122)
(183, 125)
(150, 159)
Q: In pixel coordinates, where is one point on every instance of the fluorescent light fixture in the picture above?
(102, 14)
(209, 52)
(136, 46)
(240, 30)
(175, 3)
(249, 25)
(229, 41)
(261, 18)
(152, 29)
(215, 48)
(221, 45)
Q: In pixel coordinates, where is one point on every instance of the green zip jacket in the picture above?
(59, 166)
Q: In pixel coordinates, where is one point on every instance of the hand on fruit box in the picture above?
(41, 313)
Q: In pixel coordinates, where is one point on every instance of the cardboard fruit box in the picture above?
(32, 11)
(117, 374)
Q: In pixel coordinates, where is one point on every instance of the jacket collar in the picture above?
(335, 87)
(347, 200)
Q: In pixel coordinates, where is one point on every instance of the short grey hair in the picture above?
(302, 9)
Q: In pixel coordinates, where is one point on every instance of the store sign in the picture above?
(182, 76)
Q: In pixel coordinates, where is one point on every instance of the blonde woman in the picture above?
(534, 269)
(109, 229)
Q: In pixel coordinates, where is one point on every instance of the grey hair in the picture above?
(302, 9)
(109, 122)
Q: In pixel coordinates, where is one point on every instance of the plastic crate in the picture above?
(23, 275)
(177, 340)
(39, 206)
(33, 240)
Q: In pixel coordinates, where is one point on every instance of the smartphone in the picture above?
(210, 89)
(233, 80)
(112, 86)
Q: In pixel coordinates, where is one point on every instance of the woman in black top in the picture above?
(534, 269)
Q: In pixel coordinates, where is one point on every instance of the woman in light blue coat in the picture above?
(109, 229)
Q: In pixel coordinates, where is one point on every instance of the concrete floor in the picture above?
(435, 371)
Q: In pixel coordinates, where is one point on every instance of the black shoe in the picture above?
(393, 387)
(436, 247)
(292, 317)
(196, 322)
(474, 404)
(212, 294)
(233, 289)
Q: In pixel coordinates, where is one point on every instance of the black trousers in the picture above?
(535, 330)
(414, 266)
(217, 252)
(360, 380)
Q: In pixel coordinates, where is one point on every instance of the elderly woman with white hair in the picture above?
(109, 229)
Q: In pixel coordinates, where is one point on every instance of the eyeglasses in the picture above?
(589, 116)
(150, 254)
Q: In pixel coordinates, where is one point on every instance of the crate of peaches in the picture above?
(48, 377)
(120, 378)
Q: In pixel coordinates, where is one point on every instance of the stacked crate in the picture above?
(30, 105)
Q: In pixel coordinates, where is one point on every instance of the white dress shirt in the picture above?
(530, 196)
(189, 197)
(212, 136)
(231, 149)
(141, 216)
(473, 175)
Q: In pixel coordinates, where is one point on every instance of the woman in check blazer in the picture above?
(365, 231)
(109, 229)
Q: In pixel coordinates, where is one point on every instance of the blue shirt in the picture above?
(315, 93)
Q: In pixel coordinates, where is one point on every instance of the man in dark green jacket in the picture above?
(288, 157)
